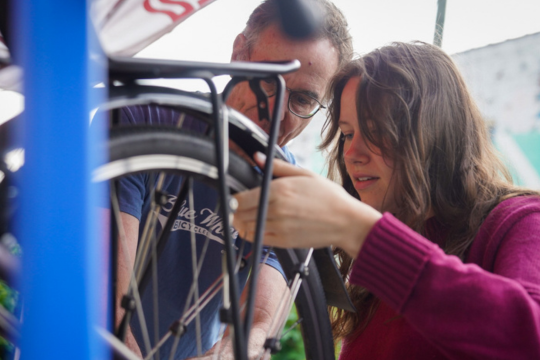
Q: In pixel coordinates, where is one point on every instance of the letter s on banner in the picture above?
(174, 9)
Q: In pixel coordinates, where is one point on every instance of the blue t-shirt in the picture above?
(175, 266)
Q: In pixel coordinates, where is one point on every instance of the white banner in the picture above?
(127, 26)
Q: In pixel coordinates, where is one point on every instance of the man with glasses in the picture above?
(262, 40)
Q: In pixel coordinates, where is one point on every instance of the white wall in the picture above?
(504, 79)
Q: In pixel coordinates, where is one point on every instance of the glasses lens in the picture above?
(302, 104)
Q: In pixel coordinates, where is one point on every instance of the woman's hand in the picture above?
(306, 210)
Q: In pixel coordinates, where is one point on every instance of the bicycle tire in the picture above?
(137, 149)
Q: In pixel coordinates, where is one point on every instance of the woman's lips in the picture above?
(363, 182)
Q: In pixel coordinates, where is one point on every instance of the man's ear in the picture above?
(240, 50)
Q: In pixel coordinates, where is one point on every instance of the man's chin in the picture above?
(281, 142)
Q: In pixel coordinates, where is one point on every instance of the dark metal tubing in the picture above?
(240, 344)
(255, 86)
(5, 26)
(114, 257)
(230, 85)
(138, 68)
(263, 202)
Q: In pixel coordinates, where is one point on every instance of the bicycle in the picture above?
(181, 149)
(211, 159)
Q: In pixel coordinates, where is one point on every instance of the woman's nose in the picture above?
(356, 150)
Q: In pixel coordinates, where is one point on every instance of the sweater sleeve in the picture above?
(462, 309)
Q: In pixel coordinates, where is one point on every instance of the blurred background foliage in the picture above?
(292, 344)
(9, 298)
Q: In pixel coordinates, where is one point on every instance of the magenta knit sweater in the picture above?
(434, 306)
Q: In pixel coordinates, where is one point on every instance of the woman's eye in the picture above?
(347, 137)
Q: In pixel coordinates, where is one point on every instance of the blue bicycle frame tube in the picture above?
(62, 244)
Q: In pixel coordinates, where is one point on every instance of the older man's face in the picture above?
(319, 61)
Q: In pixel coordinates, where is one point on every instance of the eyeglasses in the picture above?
(299, 103)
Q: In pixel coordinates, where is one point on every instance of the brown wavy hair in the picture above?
(426, 122)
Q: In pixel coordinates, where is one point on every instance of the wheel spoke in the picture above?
(194, 268)
(155, 289)
(295, 286)
(180, 121)
(149, 229)
(282, 312)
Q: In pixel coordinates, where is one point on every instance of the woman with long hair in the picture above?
(441, 255)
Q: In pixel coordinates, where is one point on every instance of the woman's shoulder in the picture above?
(516, 205)
(510, 211)
(522, 211)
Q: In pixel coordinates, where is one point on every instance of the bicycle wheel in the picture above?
(158, 154)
